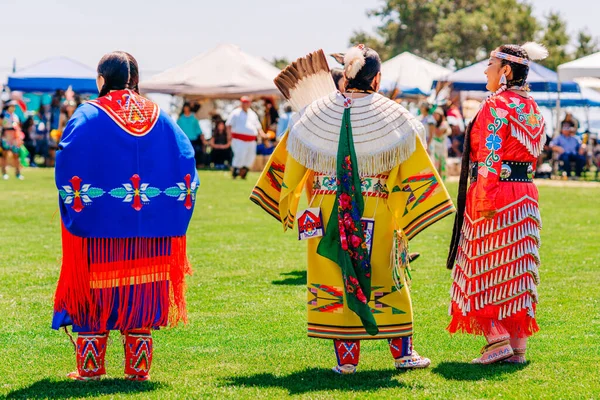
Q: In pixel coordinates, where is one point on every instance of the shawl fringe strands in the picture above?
(383, 132)
(99, 274)
(305, 80)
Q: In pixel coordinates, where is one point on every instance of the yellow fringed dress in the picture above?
(406, 199)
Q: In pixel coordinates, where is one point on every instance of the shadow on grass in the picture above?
(318, 379)
(47, 388)
(293, 278)
(459, 371)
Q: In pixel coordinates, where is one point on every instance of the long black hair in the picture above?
(134, 74)
(364, 78)
(520, 71)
(114, 68)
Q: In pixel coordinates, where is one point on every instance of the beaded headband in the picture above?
(510, 57)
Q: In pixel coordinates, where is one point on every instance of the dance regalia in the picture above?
(496, 263)
(356, 290)
(126, 177)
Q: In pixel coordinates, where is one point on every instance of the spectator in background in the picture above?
(220, 144)
(569, 149)
(271, 116)
(571, 119)
(243, 127)
(452, 110)
(29, 139)
(55, 108)
(438, 149)
(595, 150)
(12, 140)
(284, 121)
(427, 120)
(190, 125)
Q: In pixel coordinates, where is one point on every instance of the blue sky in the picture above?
(166, 33)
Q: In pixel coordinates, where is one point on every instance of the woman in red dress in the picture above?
(494, 250)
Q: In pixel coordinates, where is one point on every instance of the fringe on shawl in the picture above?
(146, 276)
(376, 162)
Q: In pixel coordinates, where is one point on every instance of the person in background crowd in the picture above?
(284, 121)
(220, 143)
(452, 110)
(189, 124)
(55, 109)
(569, 149)
(270, 121)
(427, 120)
(243, 127)
(438, 149)
(594, 149)
(12, 140)
(29, 139)
(271, 116)
(42, 133)
(571, 119)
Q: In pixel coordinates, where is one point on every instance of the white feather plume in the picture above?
(354, 60)
(535, 51)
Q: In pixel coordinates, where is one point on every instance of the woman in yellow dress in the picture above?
(361, 159)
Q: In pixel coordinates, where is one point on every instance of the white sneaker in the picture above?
(412, 361)
(5, 177)
(20, 177)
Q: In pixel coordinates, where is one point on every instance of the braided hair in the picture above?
(114, 68)
(134, 74)
(520, 71)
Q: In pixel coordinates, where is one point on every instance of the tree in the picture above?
(454, 32)
(556, 39)
(586, 44)
(280, 63)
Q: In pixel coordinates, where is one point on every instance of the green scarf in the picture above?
(344, 243)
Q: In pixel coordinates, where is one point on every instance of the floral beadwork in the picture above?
(531, 119)
(135, 192)
(352, 238)
(184, 191)
(493, 142)
(78, 195)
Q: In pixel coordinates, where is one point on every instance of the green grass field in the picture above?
(247, 332)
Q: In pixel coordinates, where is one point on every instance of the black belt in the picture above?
(512, 171)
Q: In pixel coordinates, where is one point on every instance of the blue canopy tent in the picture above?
(53, 74)
(587, 98)
(387, 87)
(540, 79)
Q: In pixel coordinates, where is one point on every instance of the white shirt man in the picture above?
(243, 126)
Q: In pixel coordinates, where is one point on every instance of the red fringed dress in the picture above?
(495, 274)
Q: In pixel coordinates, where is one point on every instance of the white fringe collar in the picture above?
(384, 133)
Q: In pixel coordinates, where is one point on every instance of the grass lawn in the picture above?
(247, 332)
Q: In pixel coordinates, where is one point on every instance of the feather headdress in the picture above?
(535, 51)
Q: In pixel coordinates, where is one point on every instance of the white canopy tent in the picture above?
(588, 66)
(585, 67)
(225, 72)
(407, 70)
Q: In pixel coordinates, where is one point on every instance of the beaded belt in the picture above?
(511, 171)
(372, 186)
